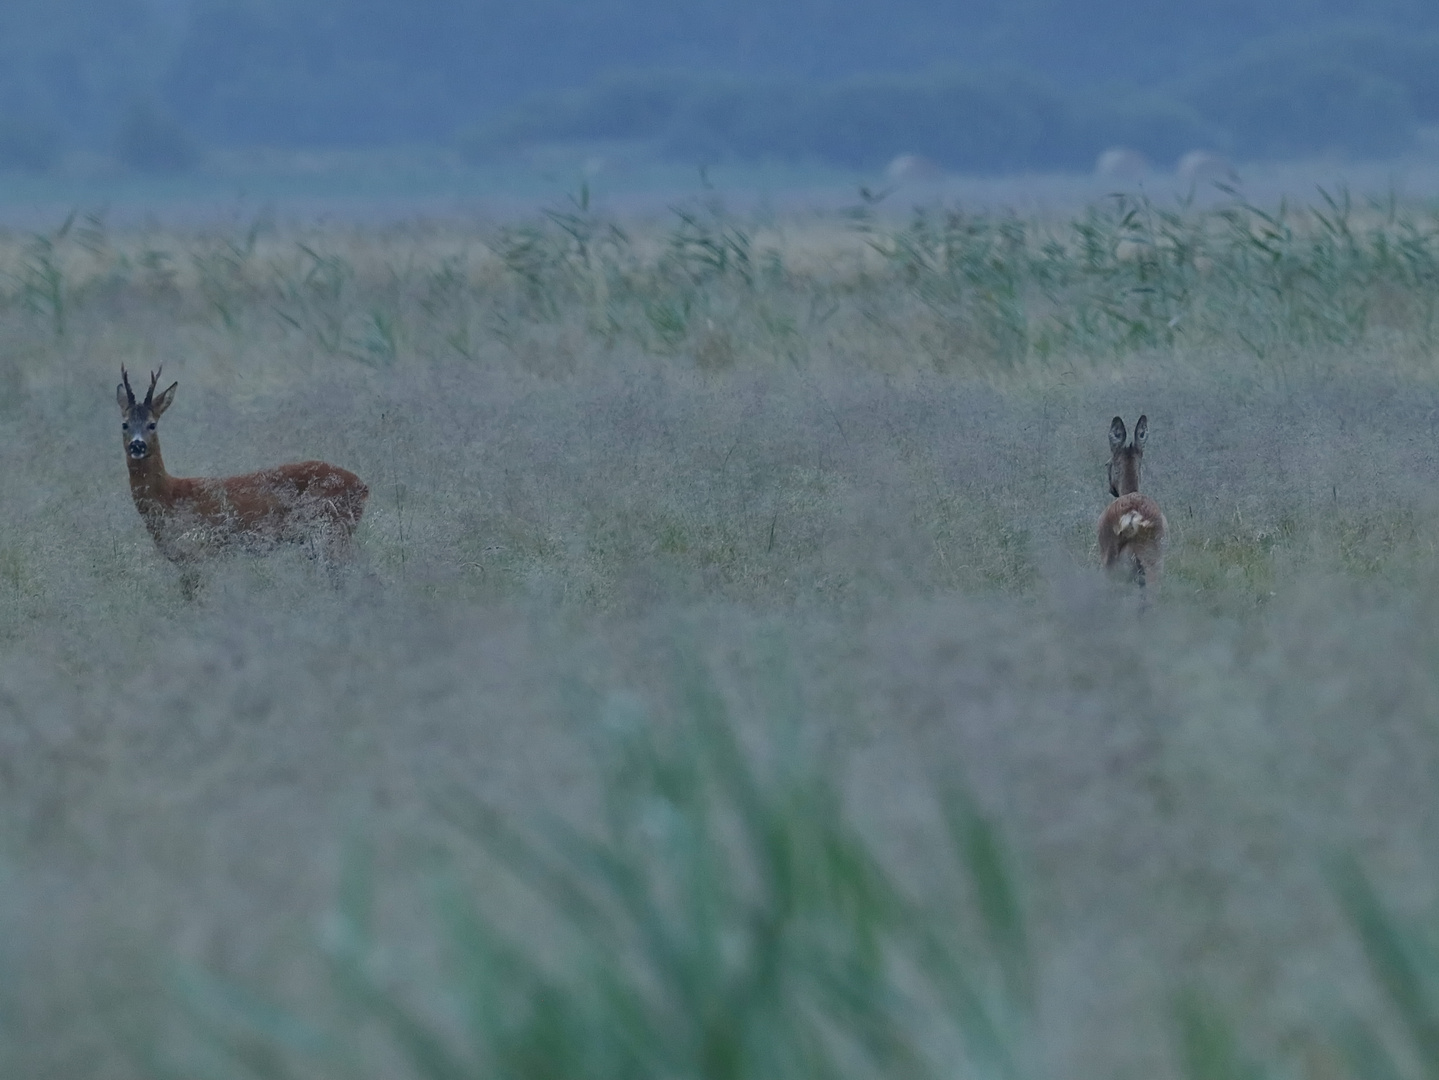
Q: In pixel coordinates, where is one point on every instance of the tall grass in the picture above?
(718, 914)
(721, 917)
(878, 439)
(974, 293)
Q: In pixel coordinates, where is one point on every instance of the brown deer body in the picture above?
(1132, 528)
(190, 518)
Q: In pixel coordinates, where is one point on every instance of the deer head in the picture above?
(1124, 460)
(137, 419)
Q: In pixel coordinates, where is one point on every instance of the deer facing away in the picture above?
(1132, 527)
(308, 502)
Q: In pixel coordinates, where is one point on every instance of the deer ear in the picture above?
(122, 398)
(1117, 435)
(1141, 432)
(163, 402)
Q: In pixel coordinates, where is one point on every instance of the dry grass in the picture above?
(877, 450)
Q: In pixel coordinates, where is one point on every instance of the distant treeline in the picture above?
(1354, 94)
(977, 86)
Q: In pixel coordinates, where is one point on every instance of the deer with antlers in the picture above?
(308, 502)
(1132, 527)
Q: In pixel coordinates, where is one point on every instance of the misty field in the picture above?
(724, 686)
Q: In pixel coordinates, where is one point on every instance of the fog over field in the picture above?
(724, 684)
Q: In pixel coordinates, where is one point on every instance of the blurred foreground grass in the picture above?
(472, 812)
(719, 919)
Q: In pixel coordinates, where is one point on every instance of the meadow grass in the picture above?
(725, 687)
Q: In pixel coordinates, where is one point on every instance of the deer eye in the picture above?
(124, 425)
(150, 426)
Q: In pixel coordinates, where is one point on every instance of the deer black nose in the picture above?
(138, 449)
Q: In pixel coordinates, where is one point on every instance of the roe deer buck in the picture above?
(1132, 527)
(308, 502)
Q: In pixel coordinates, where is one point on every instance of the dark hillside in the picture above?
(982, 86)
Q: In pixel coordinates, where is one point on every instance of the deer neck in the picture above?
(150, 484)
(1129, 475)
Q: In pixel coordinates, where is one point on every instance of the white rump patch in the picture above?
(1130, 523)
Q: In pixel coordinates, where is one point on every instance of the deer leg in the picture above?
(1151, 564)
(334, 549)
(190, 583)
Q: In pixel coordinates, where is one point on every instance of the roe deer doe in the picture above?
(1132, 527)
(308, 502)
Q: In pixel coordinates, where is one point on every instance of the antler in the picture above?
(150, 394)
